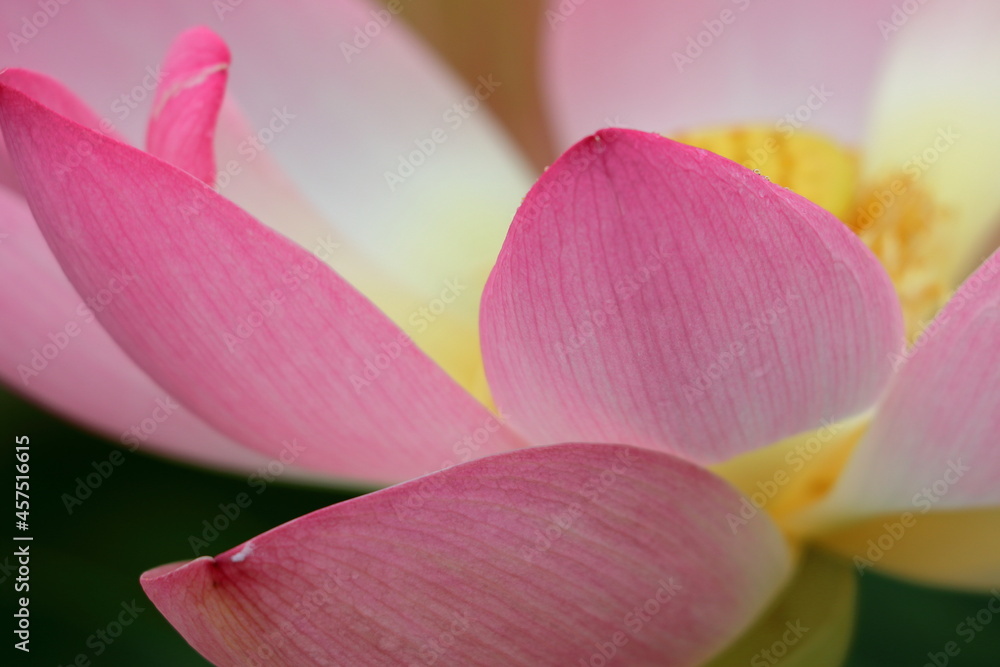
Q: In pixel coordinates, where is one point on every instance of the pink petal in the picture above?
(263, 190)
(53, 350)
(57, 97)
(248, 330)
(187, 103)
(88, 378)
(656, 294)
(933, 442)
(669, 66)
(337, 125)
(249, 177)
(543, 556)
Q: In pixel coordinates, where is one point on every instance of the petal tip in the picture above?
(162, 572)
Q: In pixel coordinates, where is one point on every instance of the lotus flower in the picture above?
(698, 318)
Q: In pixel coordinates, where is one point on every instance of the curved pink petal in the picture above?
(933, 442)
(687, 64)
(53, 349)
(540, 557)
(248, 330)
(187, 103)
(659, 295)
(122, 78)
(55, 96)
(338, 117)
(253, 181)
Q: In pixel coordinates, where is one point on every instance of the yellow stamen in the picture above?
(903, 226)
(896, 217)
(805, 162)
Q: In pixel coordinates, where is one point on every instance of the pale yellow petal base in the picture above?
(809, 625)
(946, 549)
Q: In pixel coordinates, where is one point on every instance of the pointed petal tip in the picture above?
(192, 84)
(161, 572)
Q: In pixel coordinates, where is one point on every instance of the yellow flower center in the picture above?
(808, 163)
(896, 218)
(903, 226)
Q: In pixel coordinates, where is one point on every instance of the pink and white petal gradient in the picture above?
(378, 579)
(336, 124)
(261, 188)
(245, 328)
(90, 380)
(622, 62)
(187, 103)
(937, 427)
(657, 294)
(935, 116)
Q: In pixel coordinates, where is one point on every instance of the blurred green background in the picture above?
(86, 565)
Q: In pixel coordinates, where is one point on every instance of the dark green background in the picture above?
(86, 564)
